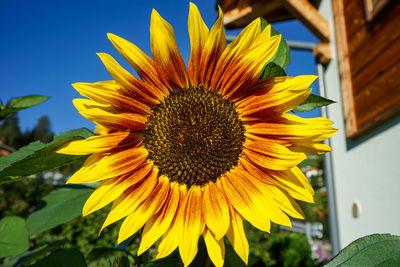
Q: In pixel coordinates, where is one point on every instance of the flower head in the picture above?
(191, 152)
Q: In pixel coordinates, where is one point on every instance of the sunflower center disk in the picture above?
(194, 136)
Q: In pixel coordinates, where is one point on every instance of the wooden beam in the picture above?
(309, 16)
(236, 14)
(344, 69)
(323, 53)
(257, 9)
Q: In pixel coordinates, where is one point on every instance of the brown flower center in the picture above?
(194, 136)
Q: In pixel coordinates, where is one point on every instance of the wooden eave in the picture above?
(239, 13)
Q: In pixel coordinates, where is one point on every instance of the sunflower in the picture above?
(190, 152)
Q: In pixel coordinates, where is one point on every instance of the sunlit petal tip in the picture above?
(220, 13)
(193, 7)
(102, 55)
(307, 79)
(157, 20)
(267, 28)
(112, 36)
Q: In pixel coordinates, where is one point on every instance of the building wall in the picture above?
(366, 169)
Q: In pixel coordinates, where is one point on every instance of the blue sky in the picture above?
(47, 45)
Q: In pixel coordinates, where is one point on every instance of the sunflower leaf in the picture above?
(14, 237)
(313, 102)
(282, 56)
(20, 103)
(272, 70)
(63, 258)
(104, 252)
(68, 199)
(372, 250)
(172, 259)
(37, 157)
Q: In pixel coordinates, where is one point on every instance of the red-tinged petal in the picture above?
(127, 203)
(198, 33)
(213, 48)
(110, 165)
(244, 200)
(95, 144)
(215, 210)
(141, 62)
(271, 155)
(112, 98)
(109, 116)
(130, 85)
(168, 61)
(145, 210)
(192, 225)
(160, 222)
(170, 239)
(111, 189)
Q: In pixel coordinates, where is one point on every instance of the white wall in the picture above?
(365, 169)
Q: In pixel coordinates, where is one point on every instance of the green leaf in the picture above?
(60, 206)
(30, 256)
(105, 252)
(14, 237)
(373, 250)
(313, 102)
(63, 258)
(20, 103)
(272, 70)
(172, 259)
(37, 157)
(282, 56)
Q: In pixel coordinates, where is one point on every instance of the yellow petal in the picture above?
(286, 202)
(127, 203)
(170, 239)
(285, 180)
(310, 148)
(168, 61)
(213, 48)
(160, 222)
(245, 39)
(241, 63)
(261, 191)
(237, 236)
(275, 87)
(295, 183)
(245, 202)
(198, 33)
(289, 131)
(110, 166)
(111, 97)
(235, 48)
(215, 248)
(130, 85)
(94, 144)
(311, 121)
(192, 225)
(273, 104)
(109, 117)
(215, 210)
(145, 210)
(111, 189)
(271, 155)
(141, 62)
